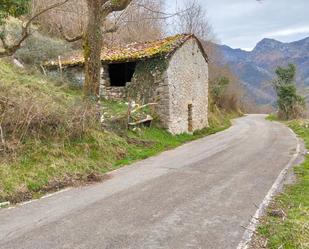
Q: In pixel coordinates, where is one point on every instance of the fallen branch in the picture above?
(146, 120)
(142, 107)
(43, 70)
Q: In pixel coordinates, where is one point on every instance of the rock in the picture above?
(18, 63)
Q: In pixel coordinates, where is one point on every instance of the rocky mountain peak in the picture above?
(257, 67)
(268, 44)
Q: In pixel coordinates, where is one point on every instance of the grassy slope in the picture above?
(293, 231)
(54, 163)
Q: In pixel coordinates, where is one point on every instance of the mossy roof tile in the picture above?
(130, 52)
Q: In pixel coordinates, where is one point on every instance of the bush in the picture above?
(225, 94)
(217, 89)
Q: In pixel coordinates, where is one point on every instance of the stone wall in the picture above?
(188, 88)
(179, 86)
(109, 92)
(150, 85)
(114, 93)
(76, 76)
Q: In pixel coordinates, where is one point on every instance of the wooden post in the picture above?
(129, 112)
(60, 67)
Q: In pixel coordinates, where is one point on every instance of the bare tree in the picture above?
(193, 20)
(98, 11)
(99, 24)
(94, 20)
(71, 18)
(143, 21)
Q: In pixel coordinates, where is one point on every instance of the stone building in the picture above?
(172, 72)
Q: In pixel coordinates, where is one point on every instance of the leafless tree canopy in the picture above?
(192, 19)
(72, 16)
(141, 21)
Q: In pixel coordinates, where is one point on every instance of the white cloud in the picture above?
(243, 23)
(288, 32)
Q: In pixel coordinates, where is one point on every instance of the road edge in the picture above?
(251, 229)
(8, 205)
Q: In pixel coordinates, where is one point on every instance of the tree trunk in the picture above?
(93, 42)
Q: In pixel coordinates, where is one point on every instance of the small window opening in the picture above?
(121, 73)
(190, 118)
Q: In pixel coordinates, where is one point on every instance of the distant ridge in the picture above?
(256, 68)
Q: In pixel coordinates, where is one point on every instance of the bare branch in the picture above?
(142, 107)
(56, 5)
(70, 39)
(110, 30)
(9, 50)
(81, 35)
(114, 6)
(164, 14)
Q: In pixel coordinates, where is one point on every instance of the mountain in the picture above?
(257, 68)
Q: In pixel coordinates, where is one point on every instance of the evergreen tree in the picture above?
(290, 104)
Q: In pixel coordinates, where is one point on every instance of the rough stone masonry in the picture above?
(172, 72)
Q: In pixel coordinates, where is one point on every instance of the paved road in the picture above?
(197, 196)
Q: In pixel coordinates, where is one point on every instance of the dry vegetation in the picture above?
(50, 138)
(31, 111)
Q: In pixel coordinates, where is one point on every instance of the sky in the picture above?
(243, 23)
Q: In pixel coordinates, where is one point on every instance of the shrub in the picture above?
(225, 94)
(217, 89)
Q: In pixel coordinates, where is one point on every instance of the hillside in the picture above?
(256, 68)
(51, 139)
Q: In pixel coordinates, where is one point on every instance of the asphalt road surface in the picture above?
(196, 196)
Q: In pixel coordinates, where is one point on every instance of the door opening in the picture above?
(190, 118)
(121, 73)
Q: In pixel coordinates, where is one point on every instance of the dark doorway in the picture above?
(121, 73)
(190, 118)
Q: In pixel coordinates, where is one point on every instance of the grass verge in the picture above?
(46, 166)
(286, 225)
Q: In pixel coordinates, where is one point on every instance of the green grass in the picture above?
(32, 80)
(43, 165)
(272, 117)
(159, 140)
(293, 231)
